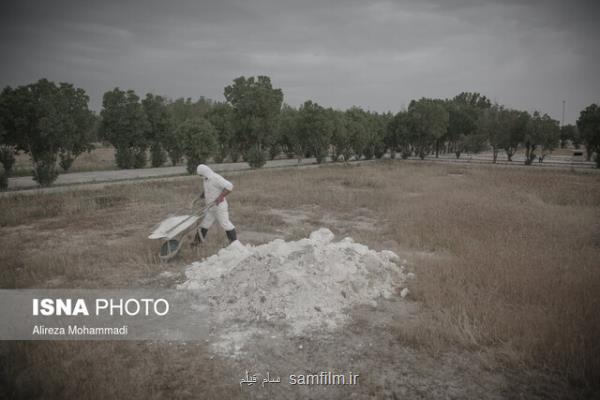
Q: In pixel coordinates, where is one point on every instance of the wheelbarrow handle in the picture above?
(193, 202)
(207, 207)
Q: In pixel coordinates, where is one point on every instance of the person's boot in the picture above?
(200, 237)
(231, 235)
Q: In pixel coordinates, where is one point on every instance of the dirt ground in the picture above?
(402, 348)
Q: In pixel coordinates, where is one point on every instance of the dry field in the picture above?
(504, 302)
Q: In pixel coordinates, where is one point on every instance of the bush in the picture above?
(130, 157)
(274, 151)
(3, 179)
(192, 163)
(379, 151)
(220, 156)
(234, 154)
(175, 155)
(7, 158)
(123, 157)
(66, 160)
(256, 157)
(45, 171)
(139, 157)
(320, 155)
(158, 156)
(368, 152)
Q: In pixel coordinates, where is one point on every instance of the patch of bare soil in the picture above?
(368, 347)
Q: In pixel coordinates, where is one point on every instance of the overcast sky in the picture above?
(528, 54)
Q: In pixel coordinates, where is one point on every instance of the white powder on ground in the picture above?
(309, 284)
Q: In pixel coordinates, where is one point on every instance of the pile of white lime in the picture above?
(305, 285)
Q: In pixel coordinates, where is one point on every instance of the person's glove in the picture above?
(220, 199)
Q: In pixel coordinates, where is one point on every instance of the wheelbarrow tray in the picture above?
(172, 230)
(173, 226)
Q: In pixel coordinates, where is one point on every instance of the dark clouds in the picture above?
(525, 54)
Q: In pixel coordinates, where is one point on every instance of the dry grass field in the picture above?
(506, 264)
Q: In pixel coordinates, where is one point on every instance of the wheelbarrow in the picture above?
(172, 230)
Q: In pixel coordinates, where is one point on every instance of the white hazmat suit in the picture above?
(214, 184)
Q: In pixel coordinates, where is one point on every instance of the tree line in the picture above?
(54, 125)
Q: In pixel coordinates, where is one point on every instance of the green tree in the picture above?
(472, 99)
(532, 137)
(184, 109)
(45, 120)
(256, 106)
(125, 126)
(550, 136)
(568, 133)
(399, 136)
(588, 125)
(181, 110)
(341, 144)
(77, 124)
(314, 130)
(160, 128)
(8, 141)
(514, 126)
(376, 134)
(464, 111)
(543, 132)
(221, 117)
(357, 126)
(3, 173)
(289, 139)
(462, 122)
(199, 141)
(429, 123)
(7, 160)
(488, 125)
(174, 149)
(577, 139)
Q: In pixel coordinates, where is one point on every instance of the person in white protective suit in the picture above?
(216, 189)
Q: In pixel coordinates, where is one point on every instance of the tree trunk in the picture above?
(529, 154)
(7, 158)
(509, 153)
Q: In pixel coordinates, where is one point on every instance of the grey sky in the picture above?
(527, 54)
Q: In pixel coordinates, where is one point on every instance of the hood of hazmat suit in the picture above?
(213, 184)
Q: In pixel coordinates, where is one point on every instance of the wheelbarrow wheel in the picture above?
(169, 249)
